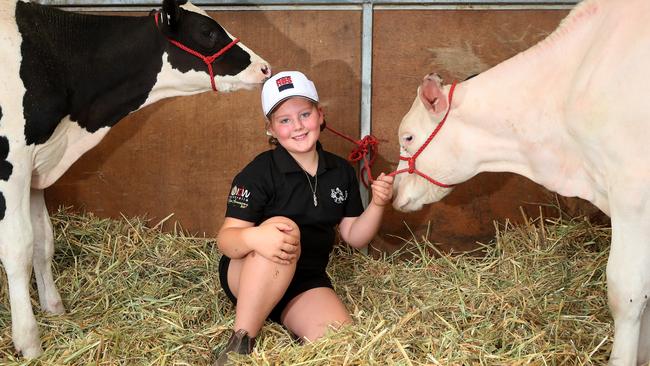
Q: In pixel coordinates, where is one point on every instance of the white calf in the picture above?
(572, 114)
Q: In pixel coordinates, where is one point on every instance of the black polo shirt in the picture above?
(273, 184)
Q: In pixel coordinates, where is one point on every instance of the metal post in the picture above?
(366, 83)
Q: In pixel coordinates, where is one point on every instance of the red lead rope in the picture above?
(365, 146)
(369, 144)
(208, 60)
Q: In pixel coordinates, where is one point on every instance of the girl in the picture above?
(280, 220)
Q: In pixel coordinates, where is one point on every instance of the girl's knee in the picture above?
(283, 220)
(295, 230)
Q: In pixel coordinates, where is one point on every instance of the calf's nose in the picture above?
(400, 204)
(266, 70)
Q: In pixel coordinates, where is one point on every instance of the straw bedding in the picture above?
(137, 296)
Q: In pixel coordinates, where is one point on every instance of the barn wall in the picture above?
(178, 156)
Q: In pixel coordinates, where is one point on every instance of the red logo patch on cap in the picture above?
(284, 83)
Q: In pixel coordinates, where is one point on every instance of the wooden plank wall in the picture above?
(178, 156)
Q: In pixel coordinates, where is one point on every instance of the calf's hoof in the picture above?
(56, 308)
(27, 341)
(30, 352)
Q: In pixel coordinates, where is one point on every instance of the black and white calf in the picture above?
(65, 80)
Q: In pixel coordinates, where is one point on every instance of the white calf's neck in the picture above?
(513, 118)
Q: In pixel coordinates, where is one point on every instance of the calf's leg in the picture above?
(628, 282)
(16, 246)
(644, 339)
(43, 252)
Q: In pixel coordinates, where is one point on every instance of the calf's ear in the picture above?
(172, 12)
(432, 95)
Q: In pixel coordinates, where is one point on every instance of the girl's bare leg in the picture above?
(310, 314)
(258, 284)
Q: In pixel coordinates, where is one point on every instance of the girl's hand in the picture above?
(278, 240)
(382, 190)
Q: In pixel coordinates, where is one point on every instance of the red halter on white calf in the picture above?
(411, 160)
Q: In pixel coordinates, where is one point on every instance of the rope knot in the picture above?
(411, 162)
(366, 145)
(210, 59)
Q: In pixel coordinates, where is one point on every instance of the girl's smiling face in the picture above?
(296, 124)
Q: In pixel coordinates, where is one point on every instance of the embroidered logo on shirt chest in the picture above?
(339, 196)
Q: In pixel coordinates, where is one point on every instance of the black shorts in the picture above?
(301, 282)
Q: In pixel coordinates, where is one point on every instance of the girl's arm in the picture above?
(275, 239)
(236, 238)
(359, 231)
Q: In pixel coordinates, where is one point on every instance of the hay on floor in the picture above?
(138, 296)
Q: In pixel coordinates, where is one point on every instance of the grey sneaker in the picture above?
(239, 342)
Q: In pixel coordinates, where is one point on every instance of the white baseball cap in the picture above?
(284, 85)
